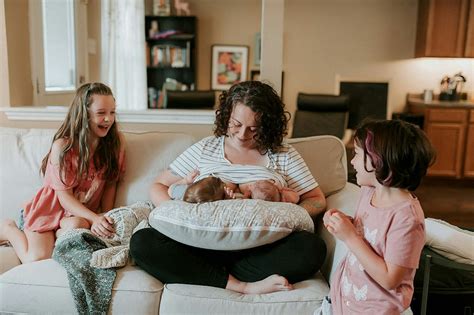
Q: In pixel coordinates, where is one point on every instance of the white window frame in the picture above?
(41, 97)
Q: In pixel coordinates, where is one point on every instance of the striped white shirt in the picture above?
(208, 154)
(241, 174)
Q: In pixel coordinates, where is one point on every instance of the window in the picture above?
(59, 45)
(58, 30)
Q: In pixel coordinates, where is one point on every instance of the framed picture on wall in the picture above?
(229, 65)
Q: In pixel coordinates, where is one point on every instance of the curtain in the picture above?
(123, 65)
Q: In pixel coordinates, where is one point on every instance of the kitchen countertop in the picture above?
(418, 101)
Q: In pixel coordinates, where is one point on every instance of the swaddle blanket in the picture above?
(88, 259)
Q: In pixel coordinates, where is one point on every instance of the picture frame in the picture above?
(229, 65)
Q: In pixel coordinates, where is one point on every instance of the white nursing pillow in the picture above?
(229, 224)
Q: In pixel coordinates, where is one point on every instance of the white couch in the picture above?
(42, 287)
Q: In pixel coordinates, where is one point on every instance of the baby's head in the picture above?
(399, 151)
(205, 190)
(265, 190)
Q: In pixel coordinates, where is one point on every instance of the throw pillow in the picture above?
(229, 224)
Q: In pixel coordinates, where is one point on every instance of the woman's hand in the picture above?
(339, 225)
(231, 193)
(103, 226)
(189, 179)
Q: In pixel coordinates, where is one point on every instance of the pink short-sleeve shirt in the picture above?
(44, 212)
(397, 235)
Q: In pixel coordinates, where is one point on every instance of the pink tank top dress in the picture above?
(44, 212)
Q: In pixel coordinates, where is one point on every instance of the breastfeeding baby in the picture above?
(232, 182)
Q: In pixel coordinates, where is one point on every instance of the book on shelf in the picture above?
(155, 98)
(170, 55)
(147, 54)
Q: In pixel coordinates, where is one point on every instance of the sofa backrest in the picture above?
(21, 153)
(22, 150)
(148, 154)
(326, 159)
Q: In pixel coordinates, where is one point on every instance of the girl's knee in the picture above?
(38, 254)
(6, 226)
(7, 223)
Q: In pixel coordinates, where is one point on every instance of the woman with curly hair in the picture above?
(251, 123)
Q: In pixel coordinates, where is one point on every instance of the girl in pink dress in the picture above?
(386, 236)
(80, 171)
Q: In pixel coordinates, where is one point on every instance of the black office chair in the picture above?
(190, 99)
(321, 114)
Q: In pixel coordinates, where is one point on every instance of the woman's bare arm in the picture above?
(313, 201)
(159, 189)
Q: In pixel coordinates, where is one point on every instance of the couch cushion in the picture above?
(229, 224)
(326, 159)
(42, 287)
(147, 155)
(194, 299)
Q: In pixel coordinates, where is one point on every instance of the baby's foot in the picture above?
(270, 284)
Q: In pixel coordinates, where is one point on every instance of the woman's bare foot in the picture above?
(270, 284)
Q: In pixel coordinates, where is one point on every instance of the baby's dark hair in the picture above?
(271, 116)
(400, 152)
(205, 190)
(265, 190)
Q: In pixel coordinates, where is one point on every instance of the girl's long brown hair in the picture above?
(75, 129)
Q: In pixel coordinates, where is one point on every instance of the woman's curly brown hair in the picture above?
(271, 116)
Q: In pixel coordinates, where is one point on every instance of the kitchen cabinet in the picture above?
(469, 161)
(446, 128)
(445, 28)
(450, 128)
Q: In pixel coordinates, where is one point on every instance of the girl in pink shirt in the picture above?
(386, 236)
(81, 170)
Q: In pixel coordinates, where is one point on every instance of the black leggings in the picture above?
(296, 257)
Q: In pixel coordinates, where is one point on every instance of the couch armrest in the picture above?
(346, 201)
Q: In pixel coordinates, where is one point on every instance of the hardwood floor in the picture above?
(448, 200)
